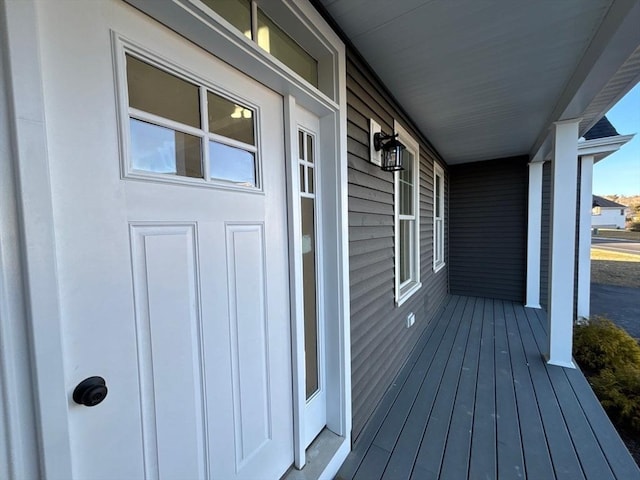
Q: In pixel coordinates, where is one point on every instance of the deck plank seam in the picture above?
(451, 312)
(555, 386)
(483, 347)
(470, 305)
(511, 386)
(470, 361)
(533, 389)
(536, 325)
(474, 319)
(428, 333)
(589, 421)
(436, 392)
(547, 381)
(515, 393)
(536, 392)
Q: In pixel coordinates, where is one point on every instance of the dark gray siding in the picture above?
(488, 229)
(380, 341)
(545, 232)
(546, 237)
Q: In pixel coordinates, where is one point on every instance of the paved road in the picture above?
(616, 245)
(620, 304)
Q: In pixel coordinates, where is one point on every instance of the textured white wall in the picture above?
(609, 217)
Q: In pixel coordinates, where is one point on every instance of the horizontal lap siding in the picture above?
(545, 234)
(488, 229)
(380, 341)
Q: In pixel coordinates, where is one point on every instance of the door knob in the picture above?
(90, 392)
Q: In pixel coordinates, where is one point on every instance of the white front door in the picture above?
(172, 250)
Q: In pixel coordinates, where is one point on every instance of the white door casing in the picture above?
(163, 287)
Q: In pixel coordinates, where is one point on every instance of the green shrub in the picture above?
(602, 344)
(619, 394)
(611, 360)
(634, 226)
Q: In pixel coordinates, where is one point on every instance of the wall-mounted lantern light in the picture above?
(391, 151)
(385, 150)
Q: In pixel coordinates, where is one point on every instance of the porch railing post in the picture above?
(564, 184)
(584, 238)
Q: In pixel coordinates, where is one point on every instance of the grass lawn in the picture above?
(612, 233)
(613, 268)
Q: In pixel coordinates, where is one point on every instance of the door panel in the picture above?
(249, 344)
(177, 294)
(165, 283)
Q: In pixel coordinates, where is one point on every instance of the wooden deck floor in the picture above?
(476, 400)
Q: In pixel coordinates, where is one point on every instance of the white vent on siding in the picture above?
(411, 319)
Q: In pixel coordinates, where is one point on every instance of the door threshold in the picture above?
(324, 456)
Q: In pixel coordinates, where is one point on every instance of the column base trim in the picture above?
(559, 363)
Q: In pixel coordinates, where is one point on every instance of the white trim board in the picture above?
(37, 250)
(603, 147)
(210, 31)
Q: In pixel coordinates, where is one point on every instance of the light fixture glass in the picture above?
(391, 151)
(237, 112)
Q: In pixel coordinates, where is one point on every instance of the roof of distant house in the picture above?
(601, 129)
(606, 203)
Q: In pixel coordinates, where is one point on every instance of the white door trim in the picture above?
(295, 279)
(37, 246)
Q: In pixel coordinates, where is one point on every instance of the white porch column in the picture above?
(534, 222)
(564, 181)
(584, 238)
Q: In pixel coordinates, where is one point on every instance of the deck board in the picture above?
(483, 463)
(408, 442)
(563, 455)
(510, 459)
(437, 423)
(477, 400)
(455, 462)
(537, 460)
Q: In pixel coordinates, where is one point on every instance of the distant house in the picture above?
(607, 213)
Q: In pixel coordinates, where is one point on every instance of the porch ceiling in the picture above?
(484, 80)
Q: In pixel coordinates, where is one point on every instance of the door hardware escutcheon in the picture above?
(90, 392)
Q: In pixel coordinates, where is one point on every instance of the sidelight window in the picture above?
(306, 163)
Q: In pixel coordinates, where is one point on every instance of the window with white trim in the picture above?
(438, 217)
(182, 131)
(407, 220)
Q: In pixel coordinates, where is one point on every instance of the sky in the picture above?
(619, 173)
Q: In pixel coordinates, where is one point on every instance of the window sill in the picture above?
(437, 268)
(407, 292)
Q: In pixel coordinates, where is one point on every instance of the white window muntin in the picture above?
(405, 289)
(438, 217)
(124, 47)
(287, 16)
